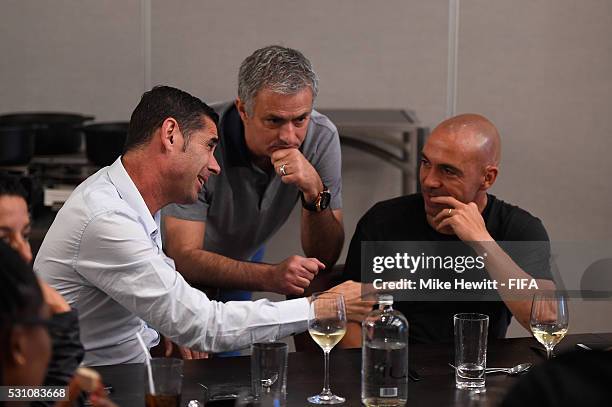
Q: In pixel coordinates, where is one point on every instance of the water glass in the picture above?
(269, 371)
(470, 350)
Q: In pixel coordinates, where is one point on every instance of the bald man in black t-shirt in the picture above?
(459, 164)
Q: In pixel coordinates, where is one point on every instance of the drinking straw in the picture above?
(147, 362)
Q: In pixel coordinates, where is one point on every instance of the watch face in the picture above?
(325, 199)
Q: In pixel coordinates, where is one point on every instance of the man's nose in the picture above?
(429, 179)
(22, 247)
(287, 134)
(213, 165)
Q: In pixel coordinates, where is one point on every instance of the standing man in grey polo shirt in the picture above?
(275, 151)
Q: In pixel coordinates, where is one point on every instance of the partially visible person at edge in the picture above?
(275, 150)
(577, 378)
(25, 341)
(104, 251)
(15, 227)
(459, 164)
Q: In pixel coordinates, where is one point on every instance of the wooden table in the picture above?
(305, 377)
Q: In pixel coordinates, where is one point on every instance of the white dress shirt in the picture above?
(104, 254)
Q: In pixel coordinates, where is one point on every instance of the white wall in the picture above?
(71, 56)
(542, 71)
(393, 56)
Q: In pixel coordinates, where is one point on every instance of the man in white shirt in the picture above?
(104, 253)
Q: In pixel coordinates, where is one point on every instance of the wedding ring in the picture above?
(282, 170)
(450, 211)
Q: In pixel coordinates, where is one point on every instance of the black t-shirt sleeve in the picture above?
(352, 265)
(529, 246)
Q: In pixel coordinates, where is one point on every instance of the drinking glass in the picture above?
(327, 326)
(549, 319)
(471, 331)
(167, 377)
(269, 371)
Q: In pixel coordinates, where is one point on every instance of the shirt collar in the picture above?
(232, 129)
(129, 193)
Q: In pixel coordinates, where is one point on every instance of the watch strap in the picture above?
(320, 203)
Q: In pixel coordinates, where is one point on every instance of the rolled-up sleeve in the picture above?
(328, 163)
(118, 257)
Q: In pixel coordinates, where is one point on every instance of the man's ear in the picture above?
(241, 107)
(170, 134)
(490, 175)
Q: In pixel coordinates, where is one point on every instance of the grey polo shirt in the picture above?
(244, 206)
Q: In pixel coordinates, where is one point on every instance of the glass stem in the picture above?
(548, 353)
(326, 389)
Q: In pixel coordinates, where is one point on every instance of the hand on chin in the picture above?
(446, 230)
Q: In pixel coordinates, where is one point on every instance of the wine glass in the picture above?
(549, 319)
(327, 326)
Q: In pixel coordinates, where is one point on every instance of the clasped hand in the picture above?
(464, 220)
(293, 168)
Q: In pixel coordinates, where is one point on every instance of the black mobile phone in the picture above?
(221, 400)
(228, 402)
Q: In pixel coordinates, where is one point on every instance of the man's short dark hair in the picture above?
(11, 185)
(160, 103)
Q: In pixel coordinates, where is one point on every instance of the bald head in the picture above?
(459, 160)
(475, 133)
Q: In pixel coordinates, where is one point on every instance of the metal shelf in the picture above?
(393, 135)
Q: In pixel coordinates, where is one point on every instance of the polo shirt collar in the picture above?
(129, 193)
(232, 129)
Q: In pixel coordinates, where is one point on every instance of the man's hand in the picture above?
(356, 307)
(99, 398)
(293, 275)
(465, 220)
(89, 381)
(53, 299)
(295, 169)
(190, 354)
(186, 353)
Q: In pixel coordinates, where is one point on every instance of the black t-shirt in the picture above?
(579, 378)
(403, 219)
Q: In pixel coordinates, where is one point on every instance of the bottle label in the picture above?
(388, 392)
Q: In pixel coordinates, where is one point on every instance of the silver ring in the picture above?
(450, 211)
(282, 170)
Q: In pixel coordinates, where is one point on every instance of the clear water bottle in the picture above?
(384, 360)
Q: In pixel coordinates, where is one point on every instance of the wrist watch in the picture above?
(320, 203)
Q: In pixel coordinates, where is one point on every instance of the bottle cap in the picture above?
(385, 299)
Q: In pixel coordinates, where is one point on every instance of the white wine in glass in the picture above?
(327, 326)
(327, 340)
(549, 319)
